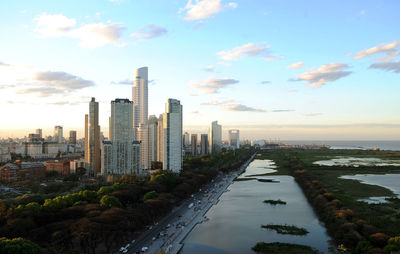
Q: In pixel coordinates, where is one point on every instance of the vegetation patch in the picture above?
(286, 229)
(286, 248)
(275, 202)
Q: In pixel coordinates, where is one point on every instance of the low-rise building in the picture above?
(62, 167)
(22, 170)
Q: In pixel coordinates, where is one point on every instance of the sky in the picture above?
(274, 69)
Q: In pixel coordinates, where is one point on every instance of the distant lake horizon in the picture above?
(350, 144)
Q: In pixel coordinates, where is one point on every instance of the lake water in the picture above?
(234, 224)
(355, 162)
(352, 144)
(389, 181)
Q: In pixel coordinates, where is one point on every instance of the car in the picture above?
(153, 239)
(144, 249)
(133, 241)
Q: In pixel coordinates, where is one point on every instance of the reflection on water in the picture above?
(355, 162)
(235, 222)
(389, 181)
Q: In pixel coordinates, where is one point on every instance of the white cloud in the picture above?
(209, 68)
(202, 9)
(90, 35)
(149, 32)
(122, 82)
(62, 80)
(231, 105)
(296, 65)
(249, 49)
(282, 110)
(212, 85)
(273, 57)
(224, 63)
(389, 47)
(324, 74)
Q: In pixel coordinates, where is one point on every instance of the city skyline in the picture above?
(312, 72)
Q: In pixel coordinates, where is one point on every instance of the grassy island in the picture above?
(283, 248)
(286, 229)
(275, 202)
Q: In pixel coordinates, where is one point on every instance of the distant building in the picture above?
(193, 144)
(204, 147)
(186, 141)
(172, 136)
(62, 166)
(143, 137)
(72, 137)
(153, 130)
(92, 139)
(215, 137)
(234, 139)
(160, 139)
(58, 134)
(39, 133)
(18, 171)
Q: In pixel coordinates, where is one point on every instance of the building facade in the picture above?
(215, 137)
(193, 144)
(72, 137)
(58, 134)
(204, 147)
(172, 123)
(92, 139)
(234, 139)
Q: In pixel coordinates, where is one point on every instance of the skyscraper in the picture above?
(172, 125)
(92, 138)
(234, 139)
(186, 140)
(121, 155)
(193, 144)
(153, 130)
(72, 137)
(58, 134)
(204, 147)
(160, 139)
(215, 137)
(140, 112)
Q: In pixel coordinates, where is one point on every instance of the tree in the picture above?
(80, 171)
(150, 195)
(110, 201)
(18, 246)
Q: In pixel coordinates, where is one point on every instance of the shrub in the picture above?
(395, 240)
(110, 201)
(379, 239)
(362, 247)
(150, 195)
(18, 246)
(390, 248)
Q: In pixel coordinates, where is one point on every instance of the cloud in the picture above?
(90, 35)
(241, 108)
(296, 65)
(224, 63)
(312, 114)
(249, 49)
(196, 112)
(193, 94)
(202, 9)
(265, 82)
(41, 91)
(149, 32)
(324, 74)
(62, 80)
(4, 64)
(387, 66)
(212, 85)
(282, 110)
(122, 82)
(209, 68)
(388, 48)
(231, 105)
(273, 57)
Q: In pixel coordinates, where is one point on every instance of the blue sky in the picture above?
(274, 69)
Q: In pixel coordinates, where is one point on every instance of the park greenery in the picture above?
(274, 202)
(286, 229)
(279, 248)
(360, 226)
(72, 217)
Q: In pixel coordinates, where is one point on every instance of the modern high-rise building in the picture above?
(140, 112)
(215, 137)
(140, 96)
(72, 137)
(204, 147)
(153, 130)
(39, 133)
(143, 137)
(193, 144)
(172, 125)
(92, 139)
(121, 155)
(234, 139)
(186, 141)
(160, 139)
(58, 134)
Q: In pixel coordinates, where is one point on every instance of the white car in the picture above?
(144, 249)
